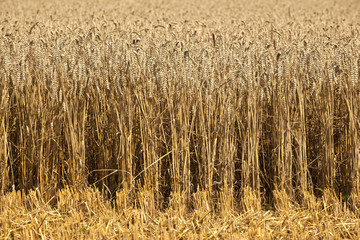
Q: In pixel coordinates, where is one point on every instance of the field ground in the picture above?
(73, 214)
(179, 119)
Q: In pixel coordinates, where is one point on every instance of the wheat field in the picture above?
(179, 119)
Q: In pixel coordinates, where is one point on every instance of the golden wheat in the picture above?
(170, 114)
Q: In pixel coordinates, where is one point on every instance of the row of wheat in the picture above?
(252, 114)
